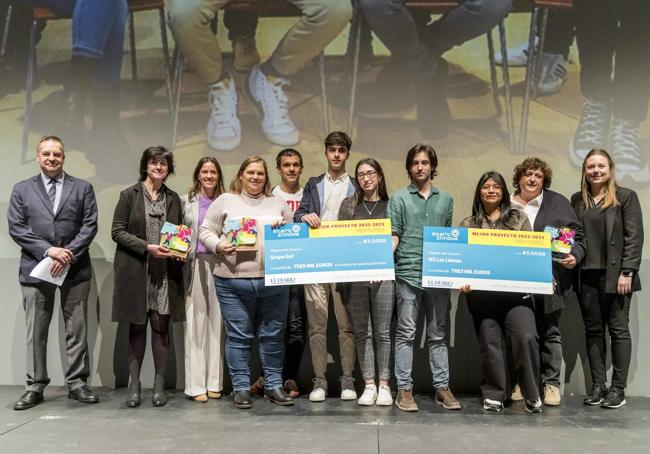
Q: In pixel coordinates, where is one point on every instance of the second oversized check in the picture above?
(503, 260)
(337, 251)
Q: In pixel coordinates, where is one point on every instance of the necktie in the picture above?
(51, 193)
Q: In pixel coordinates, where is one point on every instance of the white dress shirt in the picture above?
(531, 208)
(47, 181)
(335, 191)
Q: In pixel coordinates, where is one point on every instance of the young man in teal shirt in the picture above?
(418, 205)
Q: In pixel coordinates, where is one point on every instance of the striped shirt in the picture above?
(264, 209)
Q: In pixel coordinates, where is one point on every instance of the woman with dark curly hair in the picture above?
(545, 208)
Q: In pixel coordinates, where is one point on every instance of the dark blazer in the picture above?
(129, 266)
(556, 211)
(35, 228)
(313, 197)
(624, 230)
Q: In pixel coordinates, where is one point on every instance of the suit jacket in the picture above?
(556, 211)
(313, 197)
(624, 234)
(36, 228)
(129, 232)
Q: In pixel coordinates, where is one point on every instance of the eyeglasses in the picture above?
(370, 175)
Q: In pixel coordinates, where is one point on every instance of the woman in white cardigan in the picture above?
(203, 327)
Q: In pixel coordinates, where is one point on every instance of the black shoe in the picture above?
(278, 396)
(595, 397)
(83, 394)
(159, 398)
(28, 400)
(615, 398)
(433, 114)
(133, 399)
(242, 399)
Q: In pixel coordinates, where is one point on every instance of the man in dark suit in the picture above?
(54, 215)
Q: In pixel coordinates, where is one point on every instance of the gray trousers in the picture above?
(38, 302)
(372, 302)
(396, 27)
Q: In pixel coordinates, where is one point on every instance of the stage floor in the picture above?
(66, 426)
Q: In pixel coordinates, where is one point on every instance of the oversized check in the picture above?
(337, 251)
(503, 260)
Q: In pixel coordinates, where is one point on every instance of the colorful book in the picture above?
(176, 238)
(562, 240)
(242, 232)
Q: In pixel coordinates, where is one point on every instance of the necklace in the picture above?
(373, 207)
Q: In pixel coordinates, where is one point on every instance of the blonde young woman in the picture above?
(609, 273)
(203, 327)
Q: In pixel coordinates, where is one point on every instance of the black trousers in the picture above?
(502, 320)
(601, 311)
(296, 331)
(613, 37)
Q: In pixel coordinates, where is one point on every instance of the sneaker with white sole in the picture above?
(224, 130)
(534, 406)
(319, 392)
(268, 96)
(347, 388)
(384, 396)
(492, 405)
(369, 396)
(517, 56)
(592, 130)
(553, 74)
(552, 395)
(626, 151)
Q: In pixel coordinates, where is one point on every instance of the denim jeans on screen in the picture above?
(97, 32)
(249, 309)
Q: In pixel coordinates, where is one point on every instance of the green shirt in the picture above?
(409, 213)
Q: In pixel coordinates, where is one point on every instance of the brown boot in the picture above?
(405, 400)
(446, 399)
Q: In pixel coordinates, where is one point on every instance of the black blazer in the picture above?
(312, 196)
(624, 230)
(556, 211)
(130, 234)
(35, 228)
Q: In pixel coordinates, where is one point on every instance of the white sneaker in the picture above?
(268, 96)
(517, 56)
(626, 151)
(369, 396)
(554, 73)
(223, 130)
(384, 398)
(319, 392)
(347, 388)
(592, 130)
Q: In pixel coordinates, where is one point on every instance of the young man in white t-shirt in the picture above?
(289, 166)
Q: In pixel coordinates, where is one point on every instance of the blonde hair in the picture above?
(610, 187)
(236, 186)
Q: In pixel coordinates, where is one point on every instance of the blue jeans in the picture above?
(97, 32)
(249, 308)
(436, 304)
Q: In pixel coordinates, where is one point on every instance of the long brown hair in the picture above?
(196, 184)
(236, 184)
(381, 183)
(610, 188)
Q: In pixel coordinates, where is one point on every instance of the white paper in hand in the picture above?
(42, 272)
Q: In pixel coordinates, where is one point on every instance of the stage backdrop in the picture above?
(382, 128)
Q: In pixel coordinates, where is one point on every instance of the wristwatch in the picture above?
(628, 273)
